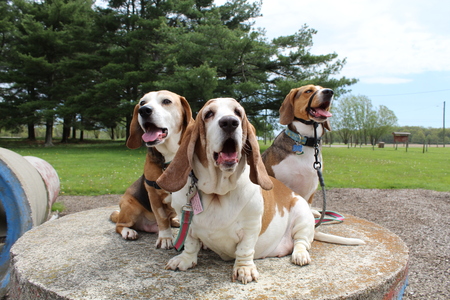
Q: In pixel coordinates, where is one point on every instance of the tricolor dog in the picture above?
(246, 214)
(159, 120)
(291, 158)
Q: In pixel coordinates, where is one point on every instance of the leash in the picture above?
(331, 217)
(297, 148)
(192, 207)
(317, 165)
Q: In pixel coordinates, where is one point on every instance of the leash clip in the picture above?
(187, 207)
(192, 188)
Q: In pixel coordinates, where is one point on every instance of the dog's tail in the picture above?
(329, 238)
(114, 217)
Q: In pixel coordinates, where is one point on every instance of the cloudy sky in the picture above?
(398, 49)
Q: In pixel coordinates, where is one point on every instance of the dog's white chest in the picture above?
(297, 172)
(225, 218)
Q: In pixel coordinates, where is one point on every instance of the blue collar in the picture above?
(300, 139)
(295, 136)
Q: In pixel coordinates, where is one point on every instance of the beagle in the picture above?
(159, 120)
(291, 157)
(245, 214)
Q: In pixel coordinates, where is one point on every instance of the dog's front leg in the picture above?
(164, 240)
(162, 215)
(188, 258)
(303, 235)
(244, 269)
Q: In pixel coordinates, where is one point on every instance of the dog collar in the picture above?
(302, 140)
(153, 183)
(307, 122)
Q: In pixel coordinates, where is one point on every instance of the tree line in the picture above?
(85, 66)
(356, 121)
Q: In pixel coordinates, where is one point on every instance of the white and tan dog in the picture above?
(301, 108)
(159, 120)
(291, 167)
(246, 214)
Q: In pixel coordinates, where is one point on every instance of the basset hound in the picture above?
(159, 120)
(291, 157)
(244, 214)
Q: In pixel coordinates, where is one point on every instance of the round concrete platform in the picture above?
(80, 256)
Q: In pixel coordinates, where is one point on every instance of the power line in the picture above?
(436, 91)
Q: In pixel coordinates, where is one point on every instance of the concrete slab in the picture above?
(81, 257)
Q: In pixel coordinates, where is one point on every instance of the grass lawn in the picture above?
(110, 167)
(91, 169)
(387, 168)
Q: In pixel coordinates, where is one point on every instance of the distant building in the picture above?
(401, 137)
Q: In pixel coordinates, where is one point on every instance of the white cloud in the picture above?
(385, 80)
(380, 39)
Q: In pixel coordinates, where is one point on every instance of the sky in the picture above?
(398, 49)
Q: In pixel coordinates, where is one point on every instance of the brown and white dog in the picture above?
(291, 158)
(246, 214)
(159, 120)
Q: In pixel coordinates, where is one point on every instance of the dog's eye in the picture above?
(209, 114)
(308, 92)
(142, 103)
(166, 101)
(238, 113)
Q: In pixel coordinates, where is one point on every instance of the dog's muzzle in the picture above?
(321, 112)
(152, 134)
(228, 156)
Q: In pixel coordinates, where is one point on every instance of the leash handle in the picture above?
(332, 217)
(186, 218)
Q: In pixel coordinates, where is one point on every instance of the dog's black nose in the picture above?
(145, 111)
(229, 123)
(328, 92)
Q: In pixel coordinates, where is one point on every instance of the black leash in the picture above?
(317, 165)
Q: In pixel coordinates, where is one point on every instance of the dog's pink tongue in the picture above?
(230, 157)
(151, 136)
(322, 113)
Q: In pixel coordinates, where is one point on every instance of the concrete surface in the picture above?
(81, 257)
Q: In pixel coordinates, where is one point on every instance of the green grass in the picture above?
(91, 169)
(110, 167)
(387, 168)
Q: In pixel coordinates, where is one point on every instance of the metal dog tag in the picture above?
(298, 149)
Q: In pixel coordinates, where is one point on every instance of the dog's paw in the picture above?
(164, 243)
(129, 234)
(316, 213)
(301, 257)
(245, 274)
(164, 240)
(181, 262)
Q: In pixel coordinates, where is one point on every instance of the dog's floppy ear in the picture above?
(287, 108)
(176, 175)
(187, 114)
(327, 125)
(135, 139)
(258, 173)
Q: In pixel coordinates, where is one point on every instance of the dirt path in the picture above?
(420, 217)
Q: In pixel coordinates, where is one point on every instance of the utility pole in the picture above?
(443, 125)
